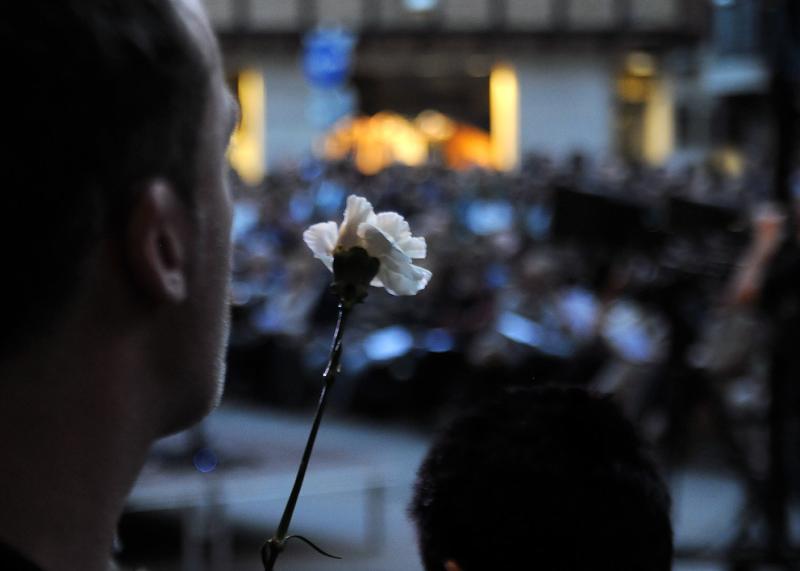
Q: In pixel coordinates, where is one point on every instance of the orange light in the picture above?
(385, 138)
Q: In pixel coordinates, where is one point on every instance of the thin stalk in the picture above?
(275, 545)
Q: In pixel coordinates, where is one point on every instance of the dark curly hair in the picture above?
(544, 478)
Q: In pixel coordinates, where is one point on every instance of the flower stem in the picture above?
(275, 545)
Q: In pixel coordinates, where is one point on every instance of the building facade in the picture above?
(539, 76)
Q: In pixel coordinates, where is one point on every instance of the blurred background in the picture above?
(586, 173)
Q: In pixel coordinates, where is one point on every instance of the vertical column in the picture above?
(560, 10)
(248, 149)
(659, 122)
(504, 117)
(371, 9)
(622, 14)
(308, 13)
(498, 14)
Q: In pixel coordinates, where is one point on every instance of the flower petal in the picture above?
(414, 247)
(396, 273)
(410, 281)
(358, 211)
(397, 233)
(393, 225)
(397, 229)
(374, 240)
(321, 239)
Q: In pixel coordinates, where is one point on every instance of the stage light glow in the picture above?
(386, 138)
(659, 123)
(640, 64)
(247, 151)
(504, 113)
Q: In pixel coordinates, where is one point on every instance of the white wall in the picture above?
(565, 102)
(288, 132)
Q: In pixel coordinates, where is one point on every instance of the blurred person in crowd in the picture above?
(769, 269)
(116, 247)
(768, 236)
(541, 478)
(768, 277)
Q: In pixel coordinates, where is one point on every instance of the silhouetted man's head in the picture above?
(542, 479)
(117, 118)
(115, 243)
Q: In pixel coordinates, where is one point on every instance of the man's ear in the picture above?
(157, 242)
(451, 565)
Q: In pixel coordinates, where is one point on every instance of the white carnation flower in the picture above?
(385, 236)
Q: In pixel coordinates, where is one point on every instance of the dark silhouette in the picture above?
(116, 250)
(542, 478)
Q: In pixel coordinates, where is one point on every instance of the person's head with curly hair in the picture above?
(543, 478)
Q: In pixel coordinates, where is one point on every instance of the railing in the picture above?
(459, 16)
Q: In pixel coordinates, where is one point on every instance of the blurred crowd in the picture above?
(576, 272)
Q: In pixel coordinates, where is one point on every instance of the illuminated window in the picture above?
(504, 108)
(247, 150)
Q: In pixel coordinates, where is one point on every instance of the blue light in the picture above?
(205, 460)
(486, 217)
(496, 276)
(539, 221)
(439, 341)
(520, 329)
(245, 217)
(388, 343)
(300, 208)
(528, 332)
(421, 5)
(327, 56)
(330, 197)
(580, 310)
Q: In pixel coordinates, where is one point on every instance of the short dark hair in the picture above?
(100, 97)
(542, 478)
